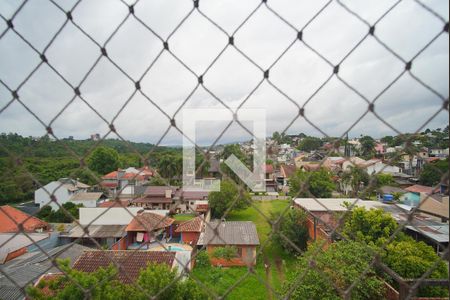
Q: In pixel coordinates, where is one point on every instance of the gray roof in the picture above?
(29, 267)
(97, 231)
(231, 233)
(86, 196)
(10, 242)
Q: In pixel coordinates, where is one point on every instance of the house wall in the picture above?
(42, 198)
(112, 216)
(90, 203)
(383, 168)
(248, 257)
(121, 244)
(190, 237)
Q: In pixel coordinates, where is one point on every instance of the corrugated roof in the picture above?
(148, 221)
(231, 233)
(130, 262)
(10, 217)
(11, 242)
(159, 190)
(98, 231)
(152, 200)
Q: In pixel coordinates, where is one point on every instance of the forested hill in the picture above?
(49, 160)
(46, 147)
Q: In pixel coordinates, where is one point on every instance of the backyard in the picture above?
(277, 261)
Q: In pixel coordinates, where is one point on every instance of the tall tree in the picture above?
(228, 197)
(318, 183)
(103, 160)
(367, 146)
(335, 270)
(309, 144)
(356, 177)
(293, 226)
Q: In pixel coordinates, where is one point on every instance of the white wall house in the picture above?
(63, 190)
(380, 167)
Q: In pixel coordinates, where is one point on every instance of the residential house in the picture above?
(156, 197)
(439, 152)
(62, 190)
(286, 171)
(11, 218)
(87, 199)
(123, 183)
(190, 230)
(131, 262)
(146, 228)
(30, 267)
(191, 201)
(239, 234)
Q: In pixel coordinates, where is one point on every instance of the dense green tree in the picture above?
(103, 160)
(171, 166)
(411, 259)
(103, 284)
(335, 270)
(372, 226)
(432, 173)
(367, 146)
(383, 179)
(60, 216)
(293, 226)
(318, 183)
(356, 177)
(229, 196)
(389, 140)
(309, 144)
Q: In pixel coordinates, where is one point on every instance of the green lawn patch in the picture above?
(279, 263)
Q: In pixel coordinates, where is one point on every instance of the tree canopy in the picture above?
(229, 196)
(372, 226)
(309, 144)
(431, 173)
(103, 160)
(335, 269)
(292, 226)
(103, 284)
(318, 183)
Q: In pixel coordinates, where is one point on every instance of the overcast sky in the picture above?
(369, 69)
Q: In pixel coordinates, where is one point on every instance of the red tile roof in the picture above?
(132, 176)
(194, 225)
(109, 184)
(287, 170)
(202, 208)
(148, 221)
(10, 217)
(130, 262)
(112, 175)
(114, 203)
(152, 200)
(194, 195)
(417, 188)
(159, 190)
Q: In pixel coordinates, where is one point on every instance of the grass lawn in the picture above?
(279, 262)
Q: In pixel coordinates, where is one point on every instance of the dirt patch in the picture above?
(279, 266)
(268, 274)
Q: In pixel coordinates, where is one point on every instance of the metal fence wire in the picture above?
(130, 10)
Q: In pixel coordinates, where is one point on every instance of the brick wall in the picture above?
(190, 237)
(234, 262)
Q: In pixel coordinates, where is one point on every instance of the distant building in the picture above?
(95, 137)
(126, 183)
(190, 230)
(65, 190)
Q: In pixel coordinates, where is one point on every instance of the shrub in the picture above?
(227, 252)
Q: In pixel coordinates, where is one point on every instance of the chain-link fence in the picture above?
(264, 64)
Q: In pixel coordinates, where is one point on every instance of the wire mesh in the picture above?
(71, 17)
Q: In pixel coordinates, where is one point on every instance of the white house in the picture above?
(66, 190)
(375, 167)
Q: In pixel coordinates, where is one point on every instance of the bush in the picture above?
(202, 259)
(227, 252)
